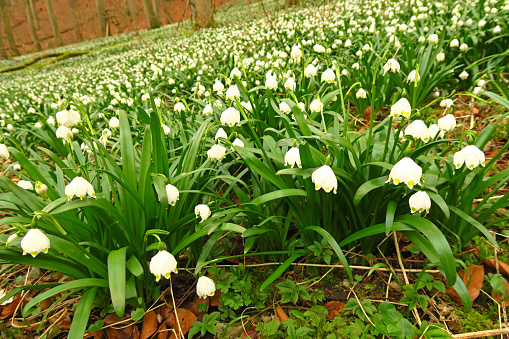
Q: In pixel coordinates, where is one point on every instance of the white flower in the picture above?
(477, 90)
(179, 107)
(157, 102)
(407, 171)
(38, 125)
(356, 65)
(31, 110)
(64, 133)
(454, 43)
(230, 117)
(447, 103)
(440, 56)
(202, 211)
(361, 94)
(247, 105)
(217, 152)
(497, 29)
(35, 242)
(401, 107)
(271, 83)
(237, 142)
(232, 92)
(68, 118)
(292, 157)
(418, 130)
(316, 106)
(290, 84)
(218, 86)
(434, 130)
(205, 287)
(463, 75)
(173, 194)
(391, 65)
(79, 187)
(114, 122)
(4, 151)
(433, 38)
(319, 48)
(412, 76)
(447, 123)
(296, 52)
(481, 82)
(422, 39)
(10, 127)
(463, 47)
(166, 129)
(309, 71)
(328, 76)
(221, 134)
(40, 188)
(207, 109)
(163, 264)
(481, 23)
(25, 184)
(325, 178)
(419, 202)
(471, 155)
(12, 237)
(284, 107)
(16, 167)
(235, 73)
(51, 121)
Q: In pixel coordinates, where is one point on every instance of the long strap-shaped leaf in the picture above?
(83, 309)
(116, 279)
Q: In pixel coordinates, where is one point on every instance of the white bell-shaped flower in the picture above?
(179, 107)
(309, 71)
(447, 123)
(434, 130)
(230, 117)
(217, 152)
(163, 264)
(11, 238)
(401, 107)
(284, 107)
(4, 151)
(220, 134)
(79, 187)
(407, 171)
(446, 103)
(412, 76)
(25, 184)
(296, 52)
(391, 65)
(202, 211)
(64, 133)
(41, 188)
(328, 76)
(463, 47)
(440, 56)
(271, 83)
(218, 86)
(471, 156)
(205, 287)
(361, 94)
(237, 142)
(316, 106)
(433, 38)
(325, 178)
(236, 73)
(419, 202)
(68, 118)
(173, 194)
(166, 129)
(35, 242)
(463, 75)
(114, 122)
(292, 157)
(290, 84)
(418, 130)
(454, 43)
(207, 109)
(51, 121)
(232, 92)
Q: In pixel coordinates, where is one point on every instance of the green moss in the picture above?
(474, 321)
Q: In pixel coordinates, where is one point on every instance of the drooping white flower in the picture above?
(235, 73)
(16, 167)
(434, 130)
(35, 242)
(418, 130)
(218, 86)
(401, 107)
(310, 71)
(433, 38)
(68, 118)
(419, 202)
(290, 84)
(271, 83)
(412, 76)
(481, 82)
(179, 107)
(477, 90)
(237, 142)
(247, 105)
(328, 76)
(497, 29)
(114, 122)
(163, 264)
(202, 211)
(316, 106)
(361, 94)
(447, 123)
(407, 171)
(292, 157)
(296, 52)
(284, 107)
(325, 178)
(41, 188)
(11, 238)
(207, 109)
(454, 43)
(463, 47)
(232, 92)
(319, 48)
(217, 152)
(4, 151)
(205, 287)
(38, 125)
(221, 134)
(356, 66)
(447, 103)
(157, 102)
(463, 75)
(166, 129)
(64, 133)
(79, 187)
(230, 117)
(440, 56)
(391, 65)
(25, 184)
(173, 194)
(471, 156)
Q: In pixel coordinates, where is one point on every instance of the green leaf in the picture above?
(389, 217)
(287, 192)
(134, 266)
(280, 270)
(367, 187)
(137, 314)
(117, 279)
(82, 314)
(474, 223)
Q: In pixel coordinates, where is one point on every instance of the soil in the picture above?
(120, 20)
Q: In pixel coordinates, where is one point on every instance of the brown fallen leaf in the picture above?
(96, 335)
(251, 333)
(502, 266)
(149, 325)
(193, 305)
(162, 332)
(367, 114)
(129, 332)
(280, 313)
(166, 311)
(215, 300)
(9, 309)
(186, 320)
(499, 296)
(334, 308)
(112, 319)
(475, 285)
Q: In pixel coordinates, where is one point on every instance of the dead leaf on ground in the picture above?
(112, 319)
(96, 335)
(162, 332)
(475, 285)
(9, 309)
(334, 308)
(499, 296)
(280, 313)
(149, 325)
(251, 333)
(367, 114)
(186, 320)
(502, 266)
(166, 311)
(130, 332)
(215, 300)
(193, 305)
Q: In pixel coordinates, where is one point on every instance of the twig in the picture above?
(54, 323)
(362, 308)
(175, 309)
(482, 334)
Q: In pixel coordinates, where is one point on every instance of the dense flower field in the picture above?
(329, 126)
